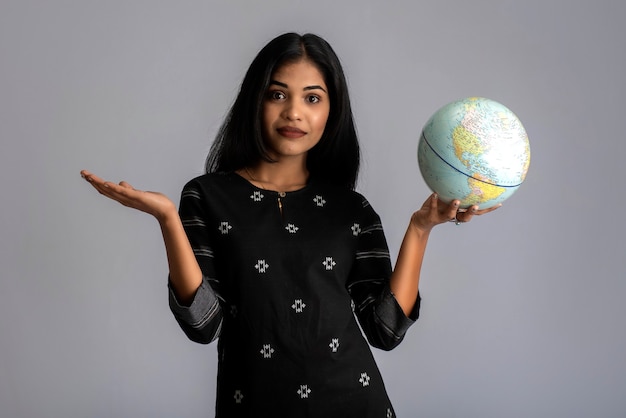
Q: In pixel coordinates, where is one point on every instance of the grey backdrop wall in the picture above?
(523, 312)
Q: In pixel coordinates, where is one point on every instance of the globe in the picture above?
(475, 150)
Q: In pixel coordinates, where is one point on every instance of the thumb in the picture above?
(126, 185)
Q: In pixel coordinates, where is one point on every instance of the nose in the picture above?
(292, 110)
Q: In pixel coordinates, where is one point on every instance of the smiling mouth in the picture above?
(290, 132)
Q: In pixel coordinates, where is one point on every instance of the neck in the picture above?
(282, 176)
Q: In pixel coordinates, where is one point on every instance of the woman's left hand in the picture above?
(434, 212)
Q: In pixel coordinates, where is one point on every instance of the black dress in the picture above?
(284, 276)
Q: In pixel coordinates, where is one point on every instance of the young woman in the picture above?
(273, 252)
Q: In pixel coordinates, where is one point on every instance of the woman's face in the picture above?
(295, 110)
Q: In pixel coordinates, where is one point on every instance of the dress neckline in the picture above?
(276, 192)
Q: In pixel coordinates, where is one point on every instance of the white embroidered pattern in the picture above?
(267, 351)
(238, 396)
(356, 230)
(257, 196)
(389, 413)
(304, 391)
(365, 379)
(334, 345)
(224, 228)
(319, 201)
(261, 266)
(292, 228)
(298, 305)
(329, 263)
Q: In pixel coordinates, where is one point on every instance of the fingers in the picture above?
(438, 212)
(466, 215)
(491, 209)
(95, 181)
(153, 203)
(433, 201)
(99, 182)
(90, 177)
(118, 192)
(451, 210)
(126, 185)
(434, 212)
(441, 212)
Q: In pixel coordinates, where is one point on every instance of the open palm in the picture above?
(153, 203)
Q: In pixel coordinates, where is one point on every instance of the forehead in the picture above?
(299, 72)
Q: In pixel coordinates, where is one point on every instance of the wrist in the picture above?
(167, 215)
(418, 226)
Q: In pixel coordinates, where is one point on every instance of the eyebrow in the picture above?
(314, 87)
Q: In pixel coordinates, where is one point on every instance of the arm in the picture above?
(185, 274)
(387, 303)
(404, 282)
(193, 301)
(381, 318)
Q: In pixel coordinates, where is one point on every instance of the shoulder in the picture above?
(345, 197)
(208, 189)
(212, 181)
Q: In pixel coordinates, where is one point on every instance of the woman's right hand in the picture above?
(153, 203)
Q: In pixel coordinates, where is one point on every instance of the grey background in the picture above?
(523, 312)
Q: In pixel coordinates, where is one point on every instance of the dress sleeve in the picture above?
(202, 319)
(381, 317)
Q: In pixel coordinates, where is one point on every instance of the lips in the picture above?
(290, 132)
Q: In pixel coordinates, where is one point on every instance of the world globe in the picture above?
(475, 150)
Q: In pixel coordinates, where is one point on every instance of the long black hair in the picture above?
(239, 142)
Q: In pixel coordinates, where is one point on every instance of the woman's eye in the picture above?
(276, 95)
(312, 99)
